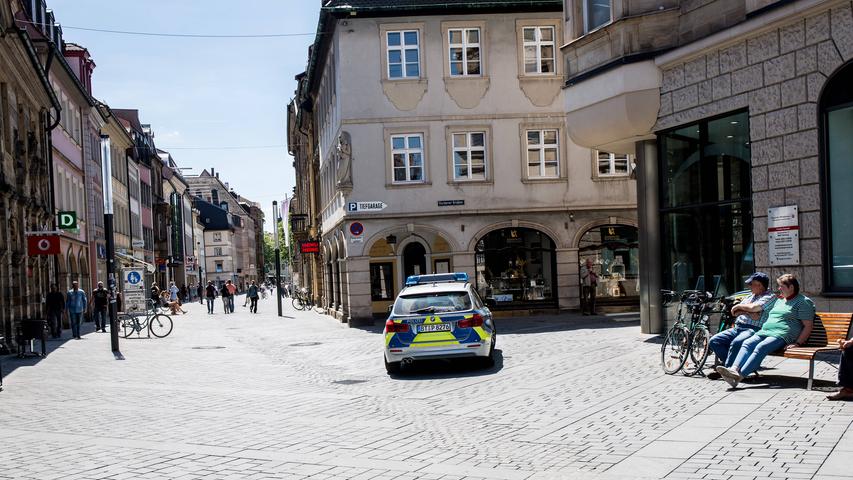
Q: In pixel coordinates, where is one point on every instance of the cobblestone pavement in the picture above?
(259, 397)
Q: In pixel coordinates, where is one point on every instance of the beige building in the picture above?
(442, 146)
(737, 111)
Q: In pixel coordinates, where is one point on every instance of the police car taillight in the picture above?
(475, 321)
(393, 327)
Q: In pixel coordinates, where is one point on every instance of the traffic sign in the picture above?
(356, 229)
(366, 206)
(134, 292)
(68, 220)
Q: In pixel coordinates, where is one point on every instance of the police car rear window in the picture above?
(432, 303)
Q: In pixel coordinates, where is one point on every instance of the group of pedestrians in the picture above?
(73, 306)
(767, 323)
(227, 292)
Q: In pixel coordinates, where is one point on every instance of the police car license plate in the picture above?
(436, 327)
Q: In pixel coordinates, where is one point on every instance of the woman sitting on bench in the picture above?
(788, 325)
(845, 372)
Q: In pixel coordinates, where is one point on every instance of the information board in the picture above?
(783, 235)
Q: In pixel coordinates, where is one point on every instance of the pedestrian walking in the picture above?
(589, 282)
(210, 295)
(55, 306)
(225, 294)
(75, 304)
(200, 293)
(99, 302)
(253, 297)
(184, 294)
(232, 290)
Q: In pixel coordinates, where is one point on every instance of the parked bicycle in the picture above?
(302, 300)
(153, 319)
(689, 337)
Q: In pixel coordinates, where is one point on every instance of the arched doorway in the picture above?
(615, 255)
(517, 267)
(414, 260)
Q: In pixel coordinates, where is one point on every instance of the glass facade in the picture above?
(706, 205)
(836, 105)
(516, 266)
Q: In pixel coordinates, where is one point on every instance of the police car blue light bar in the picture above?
(436, 278)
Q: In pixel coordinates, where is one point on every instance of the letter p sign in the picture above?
(67, 220)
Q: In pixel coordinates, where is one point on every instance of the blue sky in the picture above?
(203, 92)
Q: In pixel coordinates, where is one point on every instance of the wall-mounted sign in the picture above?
(356, 239)
(309, 246)
(783, 235)
(356, 229)
(42, 245)
(138, 243)
(102, 250)
(366, 206)
(450, 203)
(68, 220)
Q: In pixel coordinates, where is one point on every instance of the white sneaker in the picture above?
(731, 376)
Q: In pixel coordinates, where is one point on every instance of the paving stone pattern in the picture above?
(304, 397)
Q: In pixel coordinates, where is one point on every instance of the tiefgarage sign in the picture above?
(366, 206)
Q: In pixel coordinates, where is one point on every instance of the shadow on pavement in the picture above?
(12, 362)
(563, 322)
(455, 368)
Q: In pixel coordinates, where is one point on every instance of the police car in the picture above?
(438, 316)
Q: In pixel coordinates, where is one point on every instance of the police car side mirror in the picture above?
(390, 307)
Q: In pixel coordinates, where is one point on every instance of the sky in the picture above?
(201, 94)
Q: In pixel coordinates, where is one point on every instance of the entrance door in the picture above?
(414, 260)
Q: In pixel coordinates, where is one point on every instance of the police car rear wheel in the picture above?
(392, 367)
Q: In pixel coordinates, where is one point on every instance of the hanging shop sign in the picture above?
(366, 206)
(783, 235)
(42, 245)
(309, 246)
(68, 220)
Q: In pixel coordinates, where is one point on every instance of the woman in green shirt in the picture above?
(788, 325)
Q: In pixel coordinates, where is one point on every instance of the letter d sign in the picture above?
(67, 220)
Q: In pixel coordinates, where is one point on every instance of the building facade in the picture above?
(743, 111)
(28, 111)
(447, 150)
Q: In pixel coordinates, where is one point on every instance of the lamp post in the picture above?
(106, 161)
(277, 255)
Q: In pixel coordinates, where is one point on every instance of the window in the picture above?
(219, 267)
(836, 125)
(595, 14)
(539, 50)
(543, 157)
(217, 251)
(217, 236)
(613, 164)
(381, 282)
(464, 44)
(407, 155)
(469, 156)
(403, 54)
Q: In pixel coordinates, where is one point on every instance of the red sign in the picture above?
(309, 247)
(43, 245)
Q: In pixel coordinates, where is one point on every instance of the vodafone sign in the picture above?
(42, 245)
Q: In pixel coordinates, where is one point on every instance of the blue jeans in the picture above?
(74, 319)
(726, 344)
(210, 304)
(100, 315)
(231, 303)
(752, 352)
(54, 320)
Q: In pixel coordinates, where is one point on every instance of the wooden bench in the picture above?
(828, 329)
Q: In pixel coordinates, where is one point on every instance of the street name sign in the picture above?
(783, 235)
(450, 203)
(366, 206)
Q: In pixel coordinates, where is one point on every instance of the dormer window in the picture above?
(596, 13)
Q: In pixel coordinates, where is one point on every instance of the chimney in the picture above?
(212, 171)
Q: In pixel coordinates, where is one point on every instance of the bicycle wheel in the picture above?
(674, 351)
(297, 303)
(128, 325)
(699, 341)
(160, 325)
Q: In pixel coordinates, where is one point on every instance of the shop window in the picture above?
(381, 282)
(516, 266)
(836, 109)
(614, 251)
(706, 205)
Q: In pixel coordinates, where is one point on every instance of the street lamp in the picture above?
(106, 161)
(277, 255)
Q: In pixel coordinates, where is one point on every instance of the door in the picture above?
(414, 260)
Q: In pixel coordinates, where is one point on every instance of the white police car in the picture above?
(438, 316)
